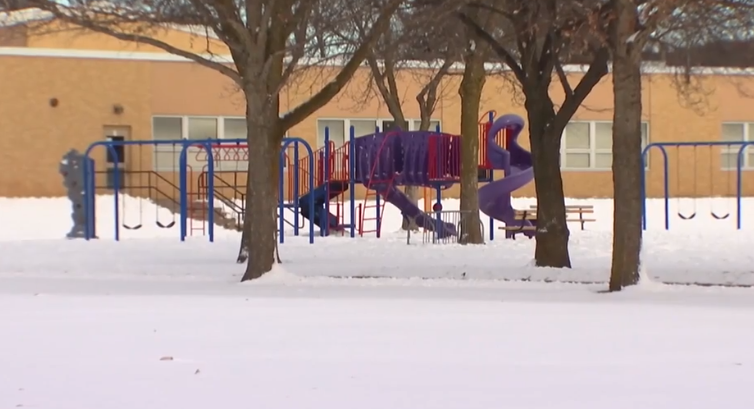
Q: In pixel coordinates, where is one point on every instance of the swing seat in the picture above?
(136, 227)
(720, 216)
(687, 217)
(165, 226)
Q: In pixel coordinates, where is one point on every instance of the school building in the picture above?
(62, 88)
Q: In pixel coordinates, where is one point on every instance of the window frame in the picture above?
(748, 164)
(593, 151)
(220, 130)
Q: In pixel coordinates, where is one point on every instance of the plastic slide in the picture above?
(424, 220)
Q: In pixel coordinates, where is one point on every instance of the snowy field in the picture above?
(150, 322)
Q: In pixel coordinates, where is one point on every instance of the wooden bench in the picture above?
(511, 231)
(574, 214)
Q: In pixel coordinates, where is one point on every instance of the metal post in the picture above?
(352, 178)
(325, 229)
(281, 205)
(116, 188)
(183, 189)
(211, 193)
(296, 188)
(491, 115)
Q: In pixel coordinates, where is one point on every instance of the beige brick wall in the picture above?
(34, 135)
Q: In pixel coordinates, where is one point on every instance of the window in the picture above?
(434, 125)
(340, 129)
(736, 132)
(234, 128)
(202, 128)
(588, 145)
(167, 128)
(118, 150)
(361, 127)
(333, 129)
(179, 128)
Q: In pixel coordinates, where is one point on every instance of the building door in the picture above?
(118, 157)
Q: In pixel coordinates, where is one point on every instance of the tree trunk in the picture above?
(259, 223)
(545, 135)
(627, 161)
(412, 192)
(471, 94)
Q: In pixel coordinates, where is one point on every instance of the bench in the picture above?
(574, 214)
(511, 231)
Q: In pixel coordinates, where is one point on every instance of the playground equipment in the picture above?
(313, 184)
(72, 169)
(688, 215)
(382, 162)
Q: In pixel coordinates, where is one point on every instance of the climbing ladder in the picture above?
(375, 184)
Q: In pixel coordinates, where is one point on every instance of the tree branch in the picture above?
(563, 79)
(330, 90)
(508, 59)
(77, 19)
(597, 70)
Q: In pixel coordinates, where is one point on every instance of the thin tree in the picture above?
(544, 36)
(268, 41)
(477, 39)
(419, 47)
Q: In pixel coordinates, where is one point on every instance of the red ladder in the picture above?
(373, 188)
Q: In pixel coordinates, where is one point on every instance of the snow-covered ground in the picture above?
(152, 322)
(702, 250)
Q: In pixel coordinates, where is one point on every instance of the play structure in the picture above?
(384, 161)
(320, 185)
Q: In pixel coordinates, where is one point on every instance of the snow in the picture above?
(152, 322)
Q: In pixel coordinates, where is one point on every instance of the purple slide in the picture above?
(495, 197)
(423, 220)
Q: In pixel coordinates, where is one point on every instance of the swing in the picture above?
(141, 213)
(711, 188)
(687, 216)
(171, 223)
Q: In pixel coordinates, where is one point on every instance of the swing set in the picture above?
(152, 181)
(696, 186)
(690, 176)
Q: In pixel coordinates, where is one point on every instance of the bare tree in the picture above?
(268, 41)
(544, 36)
(420, 46)
(632, 26)
(476, 53)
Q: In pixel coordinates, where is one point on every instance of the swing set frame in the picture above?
(663, 148)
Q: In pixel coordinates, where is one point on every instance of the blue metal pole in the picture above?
(352, 177)
(281, 198)
(325, 231)
(183, 189)
(644, 189)
(296, 188)
(666, 180)
(116, 187)
(88, 198)
(492, 177)
(211, 193)
(739, 184)
(288, 141)
(438, 214)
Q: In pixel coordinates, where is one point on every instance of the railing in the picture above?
(485, 123)
(219, 185)
(444, 157)
(150, 187)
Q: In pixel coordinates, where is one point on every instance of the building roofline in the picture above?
(649, 68)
